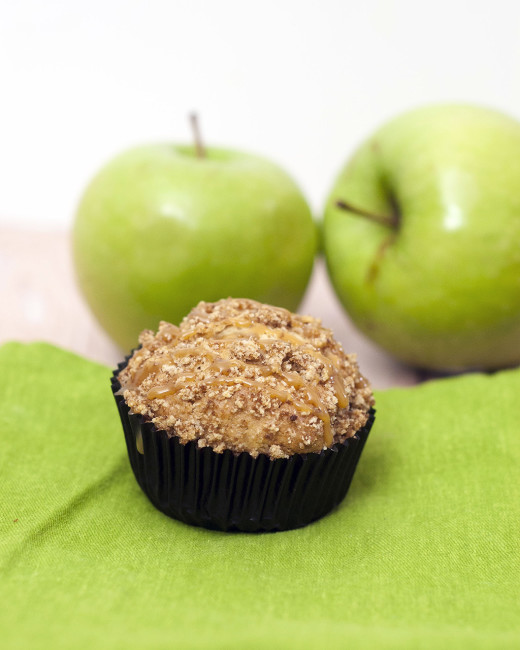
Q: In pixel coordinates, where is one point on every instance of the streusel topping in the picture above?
(241, 375)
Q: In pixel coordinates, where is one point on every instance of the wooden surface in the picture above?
(40, 302)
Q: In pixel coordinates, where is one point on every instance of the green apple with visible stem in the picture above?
(422, 238)
(164, 226)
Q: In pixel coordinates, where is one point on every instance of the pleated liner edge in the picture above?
(229, 492)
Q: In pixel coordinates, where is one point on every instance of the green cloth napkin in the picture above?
(423, 552)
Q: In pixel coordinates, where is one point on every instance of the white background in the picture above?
(300, 82)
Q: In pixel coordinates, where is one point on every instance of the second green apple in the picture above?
(422, 238)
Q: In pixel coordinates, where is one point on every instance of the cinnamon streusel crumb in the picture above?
(244, 376)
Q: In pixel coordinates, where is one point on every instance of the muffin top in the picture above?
(241, 375)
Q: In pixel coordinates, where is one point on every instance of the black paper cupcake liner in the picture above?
(236, 492)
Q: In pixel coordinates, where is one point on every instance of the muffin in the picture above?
(245, 417)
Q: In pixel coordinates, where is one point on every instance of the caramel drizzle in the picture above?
(148, 369)
(258, 332)
(182, 379)
(219, 365)
(311, 395)
(330, 362)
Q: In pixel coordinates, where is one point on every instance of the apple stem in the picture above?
(391, 221)
(199, 147)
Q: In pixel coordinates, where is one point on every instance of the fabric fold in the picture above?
(423, 552)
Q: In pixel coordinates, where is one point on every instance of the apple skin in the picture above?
(159, 229)
(441, 290)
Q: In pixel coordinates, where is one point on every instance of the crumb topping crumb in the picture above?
(241, 375)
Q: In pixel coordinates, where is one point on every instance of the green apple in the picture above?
(162, 227)
(422, 238)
